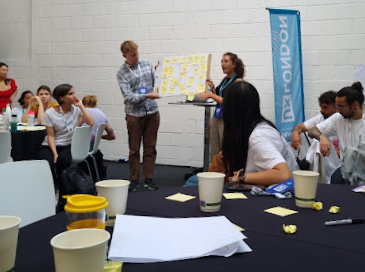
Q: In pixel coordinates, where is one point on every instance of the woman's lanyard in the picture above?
(224, 85)
(64, 119)
(360, 131)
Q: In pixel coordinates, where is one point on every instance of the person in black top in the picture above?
(234, 69)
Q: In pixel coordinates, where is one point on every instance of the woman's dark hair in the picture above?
(7, 80)
(61, 91)
(239, 69)
(352, 93)
(44, 87)
(21, 99)
(241, 114)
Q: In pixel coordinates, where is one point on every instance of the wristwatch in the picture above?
(242, 176)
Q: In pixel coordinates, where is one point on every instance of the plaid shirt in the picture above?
(129, 80)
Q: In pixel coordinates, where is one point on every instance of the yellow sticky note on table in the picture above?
(172, 90)
(203, 58)
(203, 67)
(182, 75)
(167, 61)
(190, 59)
(165, 72)
(174, 81)
(201, 77)
(191, 95)
(200, 88)
(191, 81)
(174, 60)
(238, 227)
(280, 211)
(171, 71)
(196, 60)
(185, 67)
(196, 70)
(182, 60)
(182, 88)
(234, 196)
(180, 197)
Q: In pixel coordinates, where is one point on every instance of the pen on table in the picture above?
(344, 222)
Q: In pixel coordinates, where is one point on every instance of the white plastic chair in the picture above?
(5, 146)
(80, 145)
(26, 190)
(97, 139)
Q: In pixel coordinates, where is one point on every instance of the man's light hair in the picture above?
(128, 46)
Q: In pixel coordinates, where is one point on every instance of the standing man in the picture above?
(327, 102)
(136, 80)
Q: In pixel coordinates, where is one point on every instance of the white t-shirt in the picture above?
(63, 126)
(311, 123)
(267, 148)
(99, 118)
(347, 129)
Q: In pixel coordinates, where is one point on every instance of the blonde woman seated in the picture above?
(40, 103)
(251, 143)
(60, 122)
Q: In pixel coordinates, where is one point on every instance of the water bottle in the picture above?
(30, 119)
(5, 120)
(14, 123)
(8, 111)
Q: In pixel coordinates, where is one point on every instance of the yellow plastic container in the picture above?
(86, 211)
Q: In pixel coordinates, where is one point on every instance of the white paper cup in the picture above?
(116, 193)
(210, 190)
(9, 229)
(305, 188)
(80, 250)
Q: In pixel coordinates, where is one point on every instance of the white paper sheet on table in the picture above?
(141, 239)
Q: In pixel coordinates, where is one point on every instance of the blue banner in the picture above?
(287, 67)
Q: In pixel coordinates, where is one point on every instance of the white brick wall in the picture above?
(78, 41)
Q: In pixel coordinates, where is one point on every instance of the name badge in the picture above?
(142, 90)
(218, 113)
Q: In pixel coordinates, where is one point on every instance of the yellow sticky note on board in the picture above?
(280, 211)
(200, 88)
(191, 81)
(234, 196)
(182, 60)
(182, 88)
(238, 227)
(185, 67)
(171, 71)
(201, 77)
(165, 72)
(182, 75)
(174, 60)
(190, 59)
(172, 90)
(191, 95)
(203, 67)
(164, 90)
(167, 61)
(196, 59)
(180, 197)
(196, 70)
(164, 83)
(174, 81)
(203, 58)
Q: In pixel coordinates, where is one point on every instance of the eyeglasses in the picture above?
(340, 107)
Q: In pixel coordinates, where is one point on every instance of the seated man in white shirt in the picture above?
(348, 123)
(326, 102)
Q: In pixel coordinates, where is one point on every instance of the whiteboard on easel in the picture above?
(184, 75)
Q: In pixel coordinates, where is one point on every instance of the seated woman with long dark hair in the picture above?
(251, 143)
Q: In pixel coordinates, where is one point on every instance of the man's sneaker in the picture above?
(148, 183)
(133, 185)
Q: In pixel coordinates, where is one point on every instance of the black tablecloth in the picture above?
(24, 144)
(313, 248)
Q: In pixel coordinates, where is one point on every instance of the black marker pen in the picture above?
(344, 222)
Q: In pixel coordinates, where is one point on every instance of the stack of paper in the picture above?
(140, 239)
